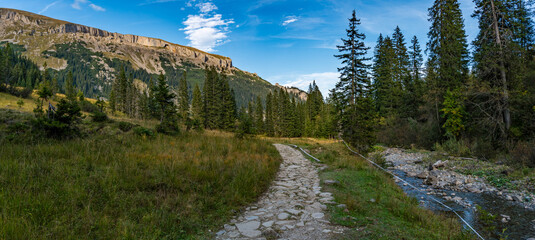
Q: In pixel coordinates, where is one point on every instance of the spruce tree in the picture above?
(183, 98)
(269, 115)
(164, 98)
(197, 105)
(259, 116)
(357, 117)
(505, 31)
(386, 89)
(448, 53)
(70, 90)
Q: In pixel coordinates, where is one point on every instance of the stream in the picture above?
(521, 224)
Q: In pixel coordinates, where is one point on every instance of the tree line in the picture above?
(484, 99)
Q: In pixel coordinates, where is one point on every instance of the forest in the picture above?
(473, 103)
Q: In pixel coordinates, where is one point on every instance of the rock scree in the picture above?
(292, 208)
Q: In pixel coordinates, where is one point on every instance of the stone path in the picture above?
(292, 208)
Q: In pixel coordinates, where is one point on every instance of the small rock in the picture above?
(267, 224)
(269, 233)
(331, 182)
(509, 198)
(220, 233)
(341, 206)
(283, 216)
(249, 218)
(439, 164)
(318, 215)
(422, 175)
(372, 200)
(300, 224)
(234, 234)
(326, 231)
(229, 227)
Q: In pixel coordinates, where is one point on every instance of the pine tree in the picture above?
(448, 54)
(259, 116)
(183, 102)
(164, 98)
(416, 59)
(386, 89)
(210, 103)
(70, 91)
(402, 62)
(197, 105)
(353, 89)
(505, 31)
(269, 115)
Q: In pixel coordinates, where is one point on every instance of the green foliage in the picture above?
(143, 132)
(524, 154)
(219, 106)
(20, 103)
(454, 113)
(125, 126)
(354, 98)
(183, 98)
(18, 75)
(99, 116)
(70, 90)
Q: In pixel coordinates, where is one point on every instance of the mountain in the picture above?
(95, 56)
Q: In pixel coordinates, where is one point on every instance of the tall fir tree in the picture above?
(197, 105)
(448, 53)
(183, 97)
(505, 31)
(358, 118)
(70, 90)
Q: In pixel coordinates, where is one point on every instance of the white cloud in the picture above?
(206, 7)
(97, 8)
(148, 2)
(77, 4)
(289, 19)
(325, 81)
(206, 31)
(47, 7)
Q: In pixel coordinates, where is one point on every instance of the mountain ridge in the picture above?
(94, 55)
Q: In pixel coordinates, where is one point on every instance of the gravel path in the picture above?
(292, 208)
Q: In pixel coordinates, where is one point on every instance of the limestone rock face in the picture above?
(16, 26)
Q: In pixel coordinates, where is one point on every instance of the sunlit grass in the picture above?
(129, 187)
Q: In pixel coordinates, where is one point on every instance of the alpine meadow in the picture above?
(360, 120)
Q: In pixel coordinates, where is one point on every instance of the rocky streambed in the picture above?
(508, 213)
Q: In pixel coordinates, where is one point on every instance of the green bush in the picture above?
(99, 116)
(141, 131)
(454, 147)
(168, 128)
(524, 154)
(87, 106)
(125, 126)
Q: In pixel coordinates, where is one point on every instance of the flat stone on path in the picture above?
(249, 229)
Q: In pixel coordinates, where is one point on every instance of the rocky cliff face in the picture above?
(19, 26)
(294, 91)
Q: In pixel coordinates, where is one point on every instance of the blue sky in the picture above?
(286, 42)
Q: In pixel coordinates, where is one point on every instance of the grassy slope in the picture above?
(392, 215)
(117, 186)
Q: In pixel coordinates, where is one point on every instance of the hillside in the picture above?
(94, 56)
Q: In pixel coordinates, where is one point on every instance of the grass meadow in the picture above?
(130, 187)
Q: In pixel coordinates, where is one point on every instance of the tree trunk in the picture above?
(505, 92)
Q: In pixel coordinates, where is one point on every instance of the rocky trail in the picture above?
(292, 208)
